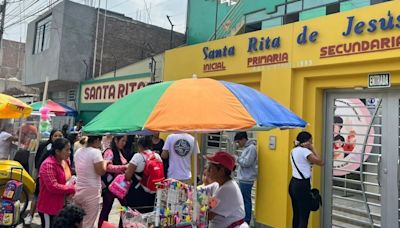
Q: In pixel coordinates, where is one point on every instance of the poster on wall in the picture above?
(351, 130)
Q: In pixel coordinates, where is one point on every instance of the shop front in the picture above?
(340, 73)
(97, 95)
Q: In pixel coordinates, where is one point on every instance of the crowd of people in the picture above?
(74, 172)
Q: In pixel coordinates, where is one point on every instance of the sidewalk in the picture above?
(113, 218)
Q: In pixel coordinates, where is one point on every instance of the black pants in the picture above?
(139, 199)
(47, 220)
(108, 201)
(299, 191)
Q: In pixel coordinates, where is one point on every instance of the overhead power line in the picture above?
(16, 9)
(3, 14)
(147, 10)
(31, 15)
(27, 10)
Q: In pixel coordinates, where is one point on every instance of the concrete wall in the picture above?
(45, 63)
(77, 44)
(14, 87)
(71, 42)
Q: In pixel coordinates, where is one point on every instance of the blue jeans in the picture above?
(246, 188)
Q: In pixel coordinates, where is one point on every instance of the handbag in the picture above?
(119, 186)
(316, 199)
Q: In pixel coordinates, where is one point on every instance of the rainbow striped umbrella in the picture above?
(193, 105)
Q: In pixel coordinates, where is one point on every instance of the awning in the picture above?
(59, 109)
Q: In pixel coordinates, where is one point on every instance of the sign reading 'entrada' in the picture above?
(267, 43)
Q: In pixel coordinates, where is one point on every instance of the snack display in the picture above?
(173, 208)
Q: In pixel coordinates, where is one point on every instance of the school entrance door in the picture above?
(361, 177)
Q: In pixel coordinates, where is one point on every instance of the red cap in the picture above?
(222, 158)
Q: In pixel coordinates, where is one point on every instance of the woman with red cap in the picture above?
(228, 210)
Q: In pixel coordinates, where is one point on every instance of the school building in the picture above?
(340, 73)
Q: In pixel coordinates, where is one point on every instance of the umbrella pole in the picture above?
(46, 86)
(20, 131)
(195, 212)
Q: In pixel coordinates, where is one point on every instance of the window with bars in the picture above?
(71, 95)
(42, 35)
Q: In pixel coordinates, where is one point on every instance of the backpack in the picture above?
(9, 212)
(153, 172)
(12, 190)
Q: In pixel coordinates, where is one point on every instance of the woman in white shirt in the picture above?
(6, 138)
(139, 197)
(304, 155)
(229, 209)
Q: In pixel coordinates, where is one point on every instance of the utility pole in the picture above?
(3, 14)
(102, 40)
(172, 30)
(95, 42)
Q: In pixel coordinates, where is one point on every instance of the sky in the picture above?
(155, 13)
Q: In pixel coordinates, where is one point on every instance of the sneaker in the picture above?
(28, 219)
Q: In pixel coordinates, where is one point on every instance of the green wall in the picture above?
(201, 19)
(201, 15)
(87, 111)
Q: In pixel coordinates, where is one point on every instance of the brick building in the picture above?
(11, 59)
(12, 56)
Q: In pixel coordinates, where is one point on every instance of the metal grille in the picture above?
(357, 137)
(398, 171)
(224, 141)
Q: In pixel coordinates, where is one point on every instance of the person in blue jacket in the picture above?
(247, 173)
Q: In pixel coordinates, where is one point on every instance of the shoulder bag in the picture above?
(316, 199)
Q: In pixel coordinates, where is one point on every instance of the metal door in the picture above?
(361, 153)
(223, 141)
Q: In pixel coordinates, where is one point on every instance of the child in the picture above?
(205, 179)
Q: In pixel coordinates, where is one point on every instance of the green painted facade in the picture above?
(202, 15)
(201, 19)
(256, 14)
(87, 111)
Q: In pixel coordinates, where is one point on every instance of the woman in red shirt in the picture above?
(53, 184)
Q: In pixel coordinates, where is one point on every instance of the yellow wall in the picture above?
(299, 85)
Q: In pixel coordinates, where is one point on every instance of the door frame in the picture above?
(389, 207)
